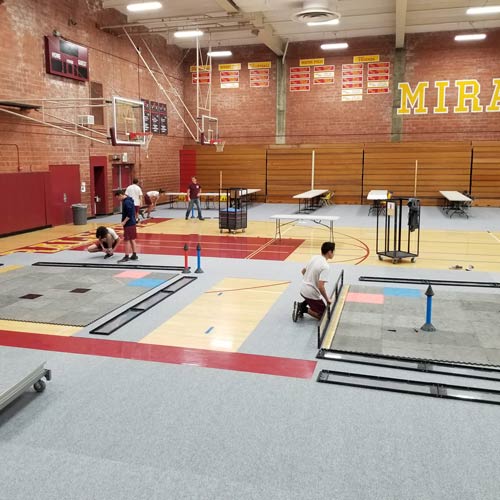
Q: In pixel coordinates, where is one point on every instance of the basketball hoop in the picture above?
(142, 139)
(219, 145)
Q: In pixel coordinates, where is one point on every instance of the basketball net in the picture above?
(219, 145)
(143, 138)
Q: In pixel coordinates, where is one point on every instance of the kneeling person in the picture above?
(107, 239)
(313, 284)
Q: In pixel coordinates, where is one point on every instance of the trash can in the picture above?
(79, 214)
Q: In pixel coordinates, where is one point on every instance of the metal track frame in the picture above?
(420, 281)
(405, 386)
(112, 266)
(475, 371)
(124, 317)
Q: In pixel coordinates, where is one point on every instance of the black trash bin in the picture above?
(79, 214)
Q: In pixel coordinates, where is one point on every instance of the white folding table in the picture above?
(310, 199)
(291, 218)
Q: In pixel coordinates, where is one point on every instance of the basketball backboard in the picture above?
(128, 118)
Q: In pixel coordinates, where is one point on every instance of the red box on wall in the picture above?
(64, 58)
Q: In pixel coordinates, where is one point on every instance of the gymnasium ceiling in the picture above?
(227, 23)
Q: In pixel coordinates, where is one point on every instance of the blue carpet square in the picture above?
(402, 292)
(146, 282)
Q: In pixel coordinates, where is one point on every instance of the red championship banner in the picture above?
(375, 65)
(323, 81)
(204, 78)
(259, 83)
(324, 74)
(353, 85)
(229, 79)
(300, 79)
(378, 78)
(351, 79)
(256, 72)
(352, 66)
(297, 69)
(352, 72)
(259, 78)
(299, 88)
(378, 71)
(378, 91)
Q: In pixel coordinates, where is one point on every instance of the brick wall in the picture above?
(246, 115)
(112, 62)
(436, 56)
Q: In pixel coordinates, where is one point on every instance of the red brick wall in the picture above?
(436, 56)
(112, 62)
(320, 116)
(246, 115)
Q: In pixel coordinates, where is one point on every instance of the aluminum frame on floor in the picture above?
(421, 281)
(484, 372)
(122, 318)
(112, 266)
(406, 386)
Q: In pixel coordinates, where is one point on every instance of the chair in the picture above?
(182, 198)
(325, 199)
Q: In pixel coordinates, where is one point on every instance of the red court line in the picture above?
(235, 361)
(213, 246)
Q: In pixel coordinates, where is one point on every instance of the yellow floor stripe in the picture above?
(6, 269)
(220, 320)
(43, 328)
(334, 322)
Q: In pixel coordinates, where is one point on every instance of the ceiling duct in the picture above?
(315, 11)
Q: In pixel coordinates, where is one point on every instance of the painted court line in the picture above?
(252, 363)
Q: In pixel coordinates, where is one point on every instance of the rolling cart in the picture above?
(232, 209)
(390, 230)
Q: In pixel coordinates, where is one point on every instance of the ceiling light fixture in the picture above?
(487, 9)
(219, 53)
(334, 46)
(331, 22)
(143, 6)
(188, 34)
(470, 37)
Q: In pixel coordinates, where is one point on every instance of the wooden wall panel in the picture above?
(337, 168)
(486, 173)
(441, 166)
(241, 166)
(352, 170)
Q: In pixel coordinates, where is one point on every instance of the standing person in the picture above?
(135, 192)
(129, 225)
(313, 285)
(193, 196)
(107, 239)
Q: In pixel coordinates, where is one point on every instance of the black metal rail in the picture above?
(110, 266)
(421, 281)
(469, 370)
(433, 389)
(327, 315)
(122, 318)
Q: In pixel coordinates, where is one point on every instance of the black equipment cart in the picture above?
(232, 209)
(389, 237)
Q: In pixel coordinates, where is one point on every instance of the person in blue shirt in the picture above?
(129, 225)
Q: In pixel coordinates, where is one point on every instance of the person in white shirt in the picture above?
(135, 192)
(150, 199)
(315, 277)
(107, 239)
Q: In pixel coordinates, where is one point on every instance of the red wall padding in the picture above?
(187, 164)
(24, 199)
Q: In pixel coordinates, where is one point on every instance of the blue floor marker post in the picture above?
(428, 326)
(198, 255)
